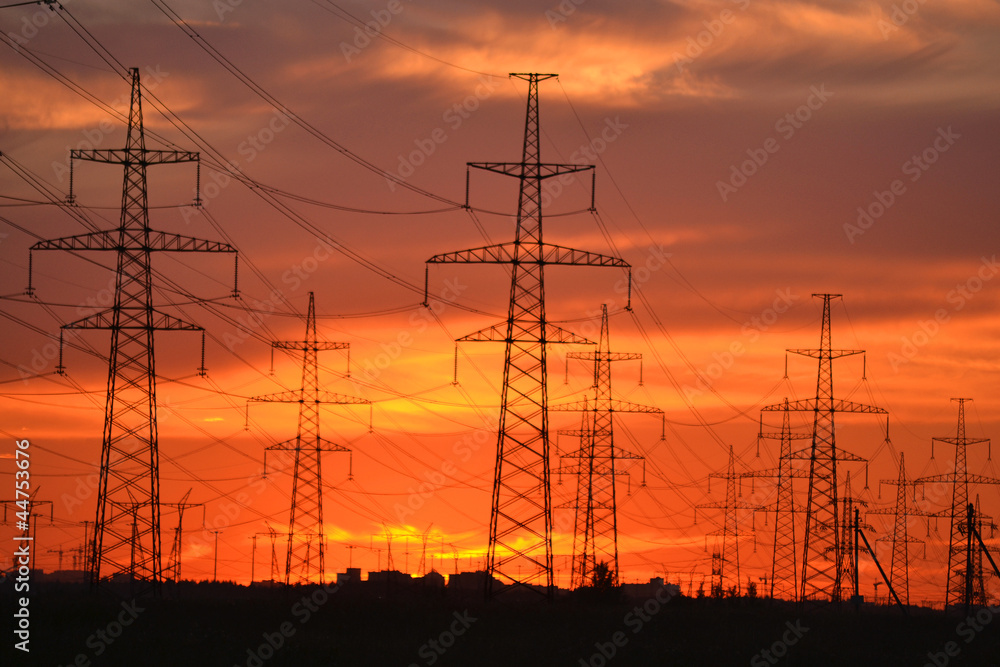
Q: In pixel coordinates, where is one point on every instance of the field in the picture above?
(227, 625)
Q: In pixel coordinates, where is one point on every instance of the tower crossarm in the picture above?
(308, 345)
(130, 239)
(842, 455)
(826, 354)
(543, 253)
(612, 405)
(321, 444)
(838, 405)
(908, 540)
(604, 356)
(297, 396)
(778, 435)
(538, 170)
(962, 441)
(890, 511)
(775, 472)
(133, 319)
(793, 508)
(722, 504)
(497, 333)
(134, 157)
(950, 477)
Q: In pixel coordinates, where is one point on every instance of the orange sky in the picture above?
(841, 108)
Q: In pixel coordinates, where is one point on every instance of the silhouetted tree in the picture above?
(603, 577)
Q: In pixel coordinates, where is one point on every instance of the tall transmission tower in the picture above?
(960, 479)
(127, 529)
(784, 575)
(726, 551)
(899, 569)
(520, 546)
(822, 551)
(305, 523)
(596, 537)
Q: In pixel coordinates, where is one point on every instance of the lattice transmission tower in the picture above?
(173, 571)
(850, 526)
(899, 568)
(305, 522)
(822, 551)
(595, 539)
(784, 575)
(126, 540)
(520, 543)
(726, 551)
(976, 592)
(960, 479)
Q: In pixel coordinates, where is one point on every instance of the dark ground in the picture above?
(225, 625)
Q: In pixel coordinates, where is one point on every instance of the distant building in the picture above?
(350, 578)
(62, 576)
(432, 579)
(390, 577)
(470, 583)
(648, 590)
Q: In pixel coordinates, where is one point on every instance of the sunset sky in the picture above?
(749, 154)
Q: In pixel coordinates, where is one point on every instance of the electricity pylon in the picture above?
(520, 547)
(899, 570)
(822, 552)
(174, 562)
(784, 577)
(595, 539)
(960, 479)
(727, 549)
(127, 529)
(272, 534)
(848, 540)
(305, 522)
(976, 592)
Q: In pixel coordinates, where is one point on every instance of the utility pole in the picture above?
(27, 519)
(59, 551)
(596, 537)
(306, 514)
(85, 550)
(253, 557)
(822, 551)
(127, 528)
(960, 478)
(520, 544)
(215, 560)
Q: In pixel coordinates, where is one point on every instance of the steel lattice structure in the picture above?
(126, 539)
(899, 569)
(784, 577)
(822, 551)
(173, 571)
(595, 538)
(849, 540)
(727, 548)
(520, 546)
(305, 522)
(960, 479)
